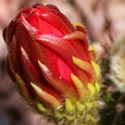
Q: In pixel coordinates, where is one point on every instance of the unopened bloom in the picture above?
(53, 64)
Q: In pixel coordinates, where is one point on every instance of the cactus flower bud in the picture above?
(53, 64)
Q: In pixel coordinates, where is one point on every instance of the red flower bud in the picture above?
(48, 56)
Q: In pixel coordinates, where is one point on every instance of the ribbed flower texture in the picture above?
(53, 65)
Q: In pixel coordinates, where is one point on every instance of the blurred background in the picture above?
(105, 23)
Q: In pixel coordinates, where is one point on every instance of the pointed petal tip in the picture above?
(24, 53)
(82, 64)
(76, 35)
(42, 66)
(49, 99)
(81, 89)
(69, 106)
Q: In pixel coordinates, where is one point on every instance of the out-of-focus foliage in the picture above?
(117, 71)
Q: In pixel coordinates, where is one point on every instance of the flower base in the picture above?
(74, 113)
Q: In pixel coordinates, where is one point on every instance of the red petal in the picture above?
(55, 64)
(60, 84)
(31, 74)
(65, 50)
(46, 15)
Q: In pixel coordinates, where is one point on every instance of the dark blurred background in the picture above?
(104, 20)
